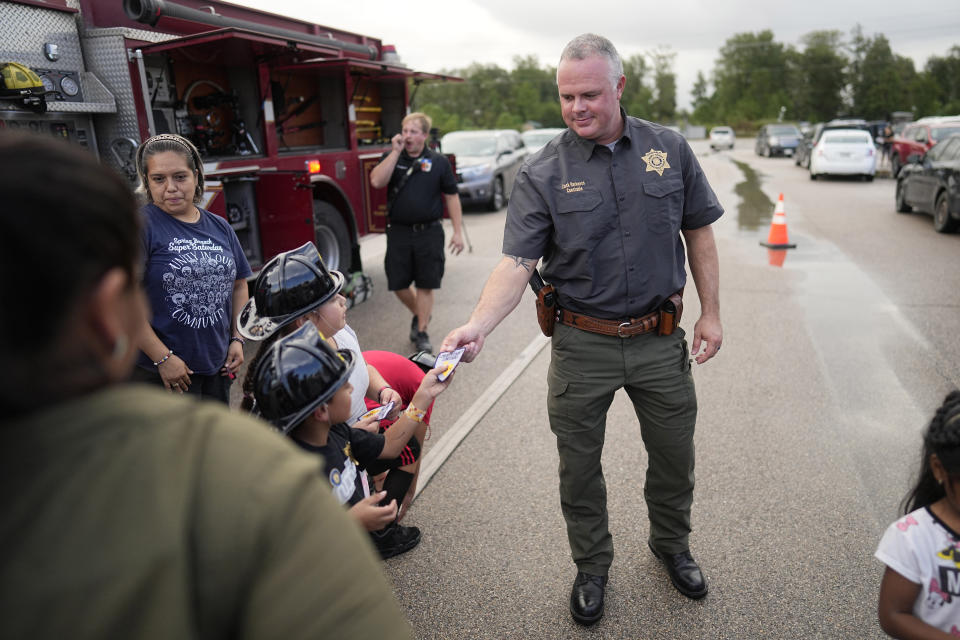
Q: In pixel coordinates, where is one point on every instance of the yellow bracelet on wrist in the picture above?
(414, 414)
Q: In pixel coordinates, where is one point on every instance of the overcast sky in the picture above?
(431, 35)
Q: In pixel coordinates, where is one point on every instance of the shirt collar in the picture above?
(423, 154)
(587, 147)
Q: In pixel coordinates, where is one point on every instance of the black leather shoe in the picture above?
(586, 598)
(684, 573)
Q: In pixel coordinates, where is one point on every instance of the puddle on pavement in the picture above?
(755, 209)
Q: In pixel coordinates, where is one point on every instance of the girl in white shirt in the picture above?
(920, 590)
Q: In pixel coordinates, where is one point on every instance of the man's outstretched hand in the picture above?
(467, 337)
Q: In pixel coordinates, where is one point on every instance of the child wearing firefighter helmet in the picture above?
(296, 287)
(302, 387)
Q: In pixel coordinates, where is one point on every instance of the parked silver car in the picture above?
(487, 164)
(536, 139)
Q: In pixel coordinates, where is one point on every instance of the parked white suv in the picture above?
(722, 138)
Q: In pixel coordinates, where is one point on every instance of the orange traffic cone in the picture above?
(777, 239)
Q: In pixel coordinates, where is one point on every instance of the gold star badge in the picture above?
(656, 161)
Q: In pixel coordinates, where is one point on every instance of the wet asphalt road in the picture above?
(807, 438)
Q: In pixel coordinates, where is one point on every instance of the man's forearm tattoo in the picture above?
(523, 263)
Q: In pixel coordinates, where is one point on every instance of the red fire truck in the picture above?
(289, 116)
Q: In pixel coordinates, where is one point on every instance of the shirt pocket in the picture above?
(580, 220)
(663, 205)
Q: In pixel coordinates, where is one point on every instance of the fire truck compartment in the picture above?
(208, 87)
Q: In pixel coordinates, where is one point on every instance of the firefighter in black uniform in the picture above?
(416, 178)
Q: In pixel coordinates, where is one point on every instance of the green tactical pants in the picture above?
(586, 369)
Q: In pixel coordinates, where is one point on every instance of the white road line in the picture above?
(439, 453)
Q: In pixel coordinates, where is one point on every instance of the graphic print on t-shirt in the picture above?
(198, 282)
(344, 482)
(943, 591)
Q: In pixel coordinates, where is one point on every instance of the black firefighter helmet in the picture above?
(297, 374)
(291, 284)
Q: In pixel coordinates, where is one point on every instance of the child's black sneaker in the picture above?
(414, 329)
(423, 342)
(395, 539)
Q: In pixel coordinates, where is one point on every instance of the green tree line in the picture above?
(827, 76)
(754, 79)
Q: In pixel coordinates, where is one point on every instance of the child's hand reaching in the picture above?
(371, 515)
(370, 424)
(388, 396)
(431, 387)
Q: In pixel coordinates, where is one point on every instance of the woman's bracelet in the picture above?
(380, 394)
(237, 339)
(163, 359)
(414, 414)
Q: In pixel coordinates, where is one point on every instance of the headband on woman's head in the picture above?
(164, 137)
(169, 136)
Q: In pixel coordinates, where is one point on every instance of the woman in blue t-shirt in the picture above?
(195, 277)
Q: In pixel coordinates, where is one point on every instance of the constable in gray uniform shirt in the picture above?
(604, 204)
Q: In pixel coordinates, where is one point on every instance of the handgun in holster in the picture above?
(670, 312)
(546, 303)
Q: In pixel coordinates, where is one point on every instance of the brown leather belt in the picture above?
(621, 329)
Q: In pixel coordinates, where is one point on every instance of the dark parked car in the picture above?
(777, 140)
(801, 155)
(917, 138)
(931, 184)
(487, 163)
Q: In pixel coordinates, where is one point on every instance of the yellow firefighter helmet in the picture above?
(19, 82)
